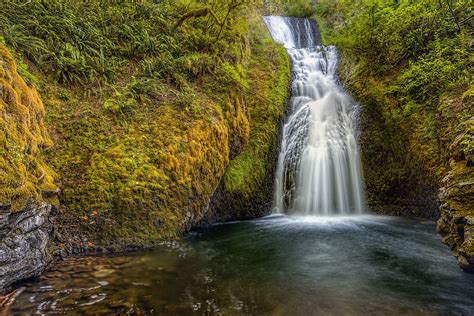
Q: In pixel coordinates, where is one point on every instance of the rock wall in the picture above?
(456, 224)
(246, 190)
(24, 241)
(400, 171)
(417, 97)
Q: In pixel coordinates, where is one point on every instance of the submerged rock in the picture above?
(24, 238)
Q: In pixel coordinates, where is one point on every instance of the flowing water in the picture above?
(279, 265)
(319, 169)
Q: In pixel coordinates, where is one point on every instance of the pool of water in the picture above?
(276, 265)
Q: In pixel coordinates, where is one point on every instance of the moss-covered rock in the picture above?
(146, 114)
(401, 162)
(140, 160)
(246, 189)
(26, 180)
(25, 176)
(456, 224)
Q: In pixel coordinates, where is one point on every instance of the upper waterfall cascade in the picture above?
(319, 169)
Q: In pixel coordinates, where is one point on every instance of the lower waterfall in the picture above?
(319, 169)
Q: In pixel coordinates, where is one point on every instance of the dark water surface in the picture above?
(276, 265)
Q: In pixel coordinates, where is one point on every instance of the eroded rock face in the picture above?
(456, 224)
(24, 238)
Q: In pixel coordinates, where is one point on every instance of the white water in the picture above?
(319, 169)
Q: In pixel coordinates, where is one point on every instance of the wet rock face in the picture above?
(456, 224)
(458, 233)
(24, 238)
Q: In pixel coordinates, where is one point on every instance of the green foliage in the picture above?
(293, 8)
(439, 71)
(408, 63)
(137, 90)
(71, 66)
(84, 42)
(249, 175)
(147, 102)
(230, 75)
(389, 33)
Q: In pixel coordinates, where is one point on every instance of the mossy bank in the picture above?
(148, 107)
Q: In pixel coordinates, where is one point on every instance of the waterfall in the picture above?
(319, 169)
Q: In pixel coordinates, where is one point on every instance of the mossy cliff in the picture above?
(409, 65)
(150, 106)
(26, 181)
(456, 224)
(23, 138)
(246, 190)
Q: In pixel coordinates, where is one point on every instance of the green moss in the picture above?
(293, 8)
(146, 114)
(134, 178)
(247, 174)
(23, 136)
(410, 79)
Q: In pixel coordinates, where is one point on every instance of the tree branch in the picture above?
(196, 14)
